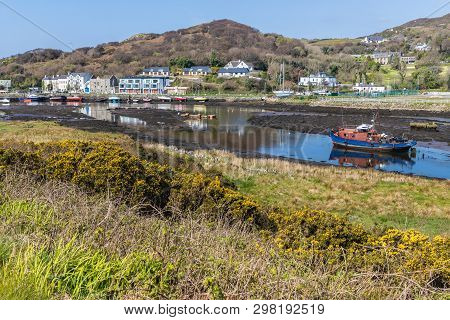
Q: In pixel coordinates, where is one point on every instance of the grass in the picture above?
(46, 131)
(58, 241)
(376, 199)
(91, 247)
(373, 198)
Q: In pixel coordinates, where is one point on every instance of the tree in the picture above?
(400, 66)
(427, 78)
(214, 61)
(181, 62)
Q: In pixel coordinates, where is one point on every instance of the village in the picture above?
(160, 80)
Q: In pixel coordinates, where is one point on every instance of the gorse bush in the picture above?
(96, 166)
(316, 229)
(413, 253)
(197, 193)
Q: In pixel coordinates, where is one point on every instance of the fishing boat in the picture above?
(114, 99)
(180, 99)
(165, 98)
(58, 98)
(365, 137)
(200, 99)
(283, 92)
(74, 99)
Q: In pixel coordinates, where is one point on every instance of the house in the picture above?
(370, 88)
(104, 85)
(422, 47)
(239, 64)
(232, 72)
(55, 84)
(143, 84)
(197, 71)
(373, 39)
(5, 85)
(156, 71)
(384, 57)
(408, 60)
(319, 79)
(78, 82)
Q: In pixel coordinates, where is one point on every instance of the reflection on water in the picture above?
(370, 160)
(231, 131)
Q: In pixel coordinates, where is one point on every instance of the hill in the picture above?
(226, 38)
(217, 42)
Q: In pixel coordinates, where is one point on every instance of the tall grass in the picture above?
(90, 246)
(70, 271)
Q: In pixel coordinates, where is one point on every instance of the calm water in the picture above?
(231, 131)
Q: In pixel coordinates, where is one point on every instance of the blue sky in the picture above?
(81, 23)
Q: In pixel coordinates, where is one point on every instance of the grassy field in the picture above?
(373, 198)
(60, 240)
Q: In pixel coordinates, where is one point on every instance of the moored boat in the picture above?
(283, 92)
(114, 99)
(365, 137)
(74, 99)
(200, 99)
(165, 98)
(34, 98)
(180, 99)
(5, 100)
(58, 98)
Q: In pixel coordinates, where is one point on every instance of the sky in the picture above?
(28, 24)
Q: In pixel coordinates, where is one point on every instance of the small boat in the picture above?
(180, 99)
(283, 92)
(74, 99)
(101, 100)
(114, 99)
(165, 98)
(365, 137)
(58, 98)
(34, 97)
(147, 100)
(136, 100)
(200, 99)
(5, 100)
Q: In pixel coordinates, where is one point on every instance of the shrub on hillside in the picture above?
(413, 253)
(315, 229)
(195, 192)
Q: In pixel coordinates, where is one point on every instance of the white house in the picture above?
(55, 84)
(156, 71)
(5, 85)
(232, 72)
(79, 82)
(422, 47)
(197, 71)
(408, 60)
(319, 79)
(370, 88)
(72, 82)
(373, 39)
(239, 64)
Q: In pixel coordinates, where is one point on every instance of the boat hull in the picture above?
(371, 146)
